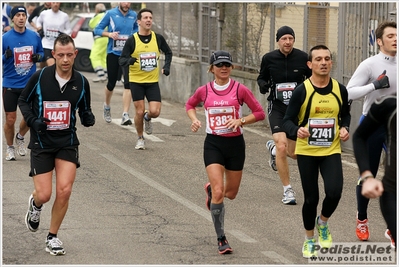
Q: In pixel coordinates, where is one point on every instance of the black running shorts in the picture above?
(43, 160)
(226, 151)
(10, 98)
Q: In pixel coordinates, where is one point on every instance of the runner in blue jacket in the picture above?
(21, 49)
(122, 23)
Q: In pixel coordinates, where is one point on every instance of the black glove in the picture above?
(40, 125)
(8, 53)
(87, 118)
(36, 58)
(132, 60)
(41, 33)
(264, 87)
(166, 72)
(382, 81)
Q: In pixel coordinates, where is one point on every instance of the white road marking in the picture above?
(185, 202)
(133, 130)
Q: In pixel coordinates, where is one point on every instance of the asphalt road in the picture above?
(148, 207)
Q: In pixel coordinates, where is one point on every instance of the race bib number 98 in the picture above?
(284, 92)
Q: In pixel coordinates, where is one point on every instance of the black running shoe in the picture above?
(224, 247)
(32, 218)
(208, 192)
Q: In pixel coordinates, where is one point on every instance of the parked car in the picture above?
(84, 40)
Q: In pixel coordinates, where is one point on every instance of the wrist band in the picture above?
(361, 180)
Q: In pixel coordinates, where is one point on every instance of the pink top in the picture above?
(221, 106)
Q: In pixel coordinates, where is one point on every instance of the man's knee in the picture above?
(11, 117)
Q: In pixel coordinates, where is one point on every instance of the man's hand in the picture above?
(40, 32)
(36, 58)
(8, 53)
(303, 132)
(166, 72)
(132, 60)
(264, 87)
(344, 134)
(87, 118)
(372, 188)
(382, 81)
(40, 125)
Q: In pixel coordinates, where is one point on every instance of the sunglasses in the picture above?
(221, 64)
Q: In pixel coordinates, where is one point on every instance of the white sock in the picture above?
(321, 222)
(286, 187)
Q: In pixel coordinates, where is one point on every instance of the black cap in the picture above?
(220, 56)
(17, 9)
(283, 31)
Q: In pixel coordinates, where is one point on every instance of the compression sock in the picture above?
(217, 211)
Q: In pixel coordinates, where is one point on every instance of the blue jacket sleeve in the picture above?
(104, 22)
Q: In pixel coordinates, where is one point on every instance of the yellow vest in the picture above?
(322, 122)
(146, 70)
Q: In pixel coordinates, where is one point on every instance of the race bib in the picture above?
(23, 55)
(119, 43)
(284, 91)
(52, 34)
(59, 114)
(148, 61)
(23, 59)
(322, 132)
(218, 117)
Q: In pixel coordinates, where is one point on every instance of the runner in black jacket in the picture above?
(381, 113)
(281, 71)
(49, 103)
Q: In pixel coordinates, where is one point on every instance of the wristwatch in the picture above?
(242, 121)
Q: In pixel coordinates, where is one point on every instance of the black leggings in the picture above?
(332, 174)
(374, 145)
(113, 72)
(388, 209)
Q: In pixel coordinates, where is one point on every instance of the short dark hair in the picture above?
(64, 39)
(142, 11)
(318, 47)
(380, 29)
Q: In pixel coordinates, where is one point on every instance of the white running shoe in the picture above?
(10, 154)
(289, 197)
(126, 120)
(272, 161)
(21, 147)
(140, 144)
(107, 114)
(54, 246)
(99, 79)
